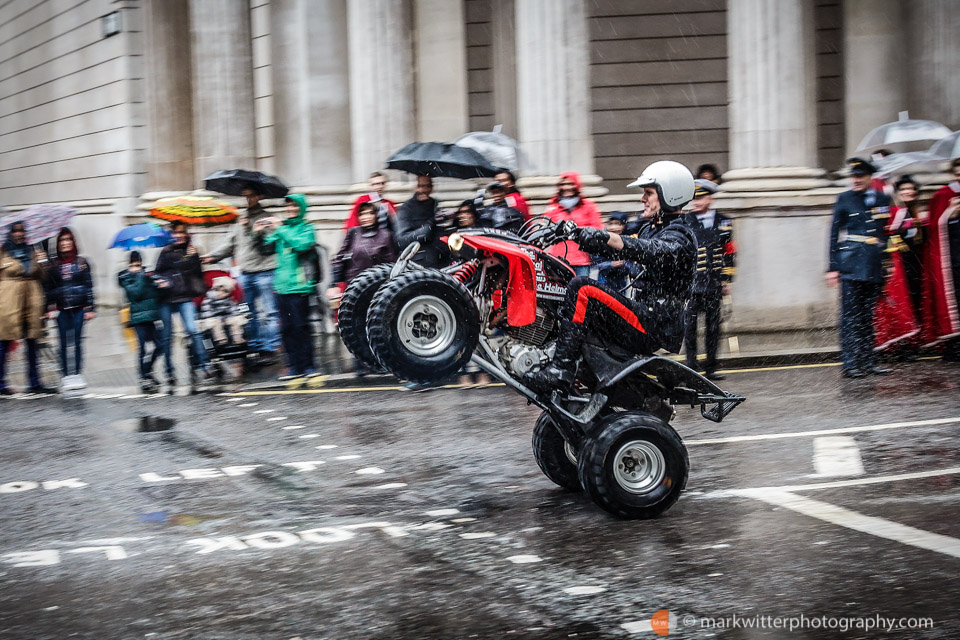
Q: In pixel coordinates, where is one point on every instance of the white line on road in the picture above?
(825, 432)
(835, 483)
(836, 456)
(858, 522)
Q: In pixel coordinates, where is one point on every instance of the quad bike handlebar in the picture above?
(545, 233)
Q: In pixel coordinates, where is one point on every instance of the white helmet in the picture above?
(673, 181)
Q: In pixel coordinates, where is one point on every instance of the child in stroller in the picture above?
(223, 318)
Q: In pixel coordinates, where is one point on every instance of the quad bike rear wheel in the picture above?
(423, 326)
(352, 315)
(634, 465)
(555, 457)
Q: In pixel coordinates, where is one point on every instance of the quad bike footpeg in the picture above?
(722, 405)
(585, 416)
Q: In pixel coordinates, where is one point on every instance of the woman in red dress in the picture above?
(898, 311)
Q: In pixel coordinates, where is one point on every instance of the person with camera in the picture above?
(180, 277)
(292, 241)
(23, 270)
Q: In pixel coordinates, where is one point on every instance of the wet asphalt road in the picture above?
(388, 514)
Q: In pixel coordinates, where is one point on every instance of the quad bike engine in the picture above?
(520, 358)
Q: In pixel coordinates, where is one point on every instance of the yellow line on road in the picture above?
(500, 384)
(293, 392)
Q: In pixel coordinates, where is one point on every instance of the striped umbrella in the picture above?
(42, 221)
(194, 210)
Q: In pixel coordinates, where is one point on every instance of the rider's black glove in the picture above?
(591, 240)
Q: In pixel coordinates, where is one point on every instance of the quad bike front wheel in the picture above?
(352, 314)
(423, 326)
(555, 457)
(633, 465)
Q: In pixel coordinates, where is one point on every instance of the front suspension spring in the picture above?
(467, 271)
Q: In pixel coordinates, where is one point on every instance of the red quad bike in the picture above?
(499, 306)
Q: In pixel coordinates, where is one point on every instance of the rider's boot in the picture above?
(561, 371)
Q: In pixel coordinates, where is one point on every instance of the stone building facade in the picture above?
(108, 104)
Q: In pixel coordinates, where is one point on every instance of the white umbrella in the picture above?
(902, 134)
(948, 148)
(899, 164)
(500, 149)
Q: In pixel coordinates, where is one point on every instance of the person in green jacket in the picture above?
(144, 298)
(292, 240)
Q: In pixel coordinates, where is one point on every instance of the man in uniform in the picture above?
(715, 268)
(856, 260)
(653, 317)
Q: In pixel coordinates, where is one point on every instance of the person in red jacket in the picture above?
(386, 210)
(569, 205)
(941, 269)
(514, 198)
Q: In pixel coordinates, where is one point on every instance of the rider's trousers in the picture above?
(611, 317)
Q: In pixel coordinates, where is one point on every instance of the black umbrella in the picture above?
(441, 160)
(232, 182)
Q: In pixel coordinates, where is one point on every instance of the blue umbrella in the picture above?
(140, 236)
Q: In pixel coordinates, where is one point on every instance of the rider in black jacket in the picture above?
(654, 319)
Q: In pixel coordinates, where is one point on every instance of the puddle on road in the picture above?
(179, 519)
(144, 424)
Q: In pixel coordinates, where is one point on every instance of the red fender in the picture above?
(522, 278)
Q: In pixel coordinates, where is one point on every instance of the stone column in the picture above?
(934, 85)
(223, 127)
(772, 89)
(382, 118)
(553, 92)
(874, 48)
(311, 86)
(169, 120)
(441, 61)
(505, 65)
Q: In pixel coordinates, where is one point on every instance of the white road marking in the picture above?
(248, 404)
(734, 343)
(276, 418)
(309, 436)
(234, 399)
(836, 456)
(326, 446)
(825, 432)
(391, 485)
(264, 410)
(837, 483)
(478, 535)
(858, 522)
(636, 627)
(461, 520)
(524, 559)
(439, 513)
(369, 471)
(296, 426)
(584, 590)
(352, 456)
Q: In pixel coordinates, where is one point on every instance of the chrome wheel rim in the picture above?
(426, 326)
(639, 467)
(571, 454)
